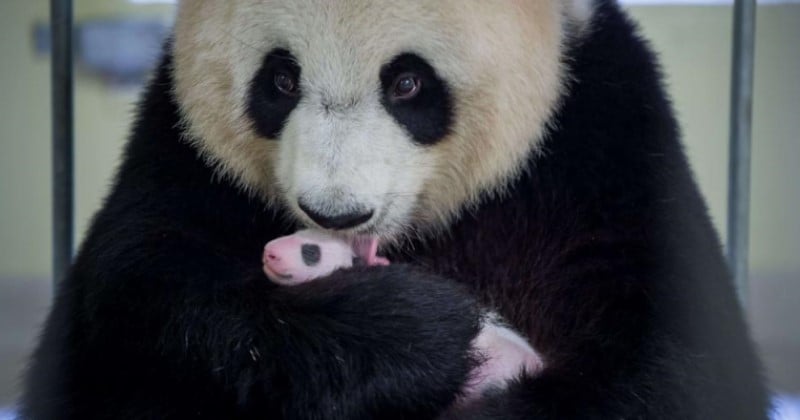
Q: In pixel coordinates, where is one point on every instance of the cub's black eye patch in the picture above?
(428, 114)
(311, 254)
(269, 102)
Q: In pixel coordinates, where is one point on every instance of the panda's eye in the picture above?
(286, 83)
(416, 97)
(406, 86)
(274, 93)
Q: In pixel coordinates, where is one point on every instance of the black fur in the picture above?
(340, 221)
(267, 106)
(602, 254)
(428, 116)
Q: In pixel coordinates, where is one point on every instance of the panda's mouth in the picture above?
(379, 225)
(373, 228)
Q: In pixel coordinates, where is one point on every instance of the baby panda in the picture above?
(309, 254)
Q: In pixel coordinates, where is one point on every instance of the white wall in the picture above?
(24, 144)
(102, 118)
(695, 48)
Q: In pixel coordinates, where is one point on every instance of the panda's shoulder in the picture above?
(164, 183)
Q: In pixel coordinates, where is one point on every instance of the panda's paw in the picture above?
(397, 333)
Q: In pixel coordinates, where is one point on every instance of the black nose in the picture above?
(341, 221)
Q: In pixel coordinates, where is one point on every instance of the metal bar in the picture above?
(63, 130)
(740, 143)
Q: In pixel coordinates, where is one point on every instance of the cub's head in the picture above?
(371, 116)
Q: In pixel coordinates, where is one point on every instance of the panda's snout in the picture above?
(339, 221)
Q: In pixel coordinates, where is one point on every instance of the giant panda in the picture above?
(516, 156)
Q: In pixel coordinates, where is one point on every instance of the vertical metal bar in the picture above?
(740, 140)
(62, 108)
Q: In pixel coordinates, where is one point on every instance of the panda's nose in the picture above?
(339, 221)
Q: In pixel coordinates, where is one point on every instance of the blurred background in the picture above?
(118, 41)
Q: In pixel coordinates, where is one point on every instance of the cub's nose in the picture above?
(337, 222)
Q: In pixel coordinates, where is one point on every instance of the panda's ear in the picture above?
(578, 14)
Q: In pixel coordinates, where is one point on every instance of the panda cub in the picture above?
(307, 255)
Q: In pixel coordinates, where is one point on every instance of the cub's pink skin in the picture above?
(505, 356)
(308, 254)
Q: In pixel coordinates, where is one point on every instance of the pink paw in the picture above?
(507, 355)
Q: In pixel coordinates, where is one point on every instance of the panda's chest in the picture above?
(477, 265)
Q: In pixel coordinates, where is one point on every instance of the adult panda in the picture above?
(520, 156)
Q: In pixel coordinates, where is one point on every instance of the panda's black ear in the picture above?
(268, 104)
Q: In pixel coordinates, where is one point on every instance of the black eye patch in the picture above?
(267, 106)
(427, 116)
(311, 254)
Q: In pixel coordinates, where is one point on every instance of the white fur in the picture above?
(579, 15)
(340, 150)
(580, 10)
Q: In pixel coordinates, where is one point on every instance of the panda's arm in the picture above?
(197, 329)
(618, 334)
(600, 363)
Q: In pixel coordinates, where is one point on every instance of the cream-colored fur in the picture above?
(502, 59)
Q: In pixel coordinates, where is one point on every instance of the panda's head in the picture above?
(371, 116)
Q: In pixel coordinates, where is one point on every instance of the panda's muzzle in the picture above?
(339, 221)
